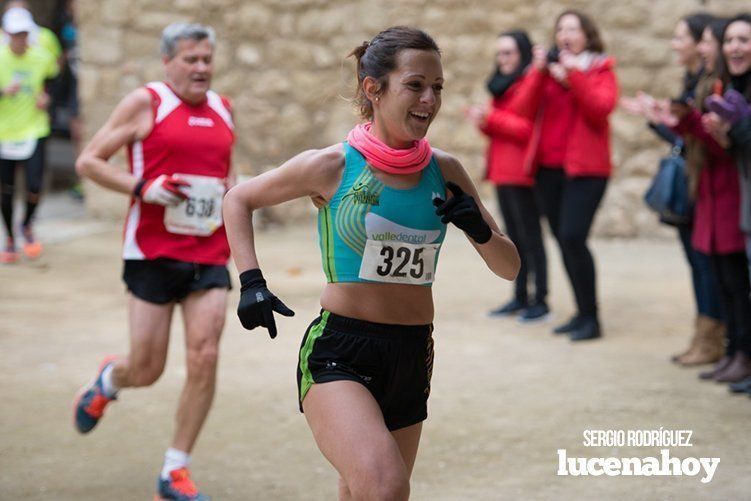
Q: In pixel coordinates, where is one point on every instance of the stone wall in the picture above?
(284, 64)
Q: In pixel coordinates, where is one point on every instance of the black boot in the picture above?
(511, 308)
(718, 368)
(569, 326)
(589, 328)
(743, 386)
(738, 370)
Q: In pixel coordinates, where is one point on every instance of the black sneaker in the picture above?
(569, 326)
(742, 386)
(589, 328)
(536, 312)
(512, 307)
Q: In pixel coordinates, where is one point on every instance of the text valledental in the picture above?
(640, 467)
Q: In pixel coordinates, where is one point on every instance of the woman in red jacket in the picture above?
(508, 122)
(579, 92)
(722, 213)
(717, 233)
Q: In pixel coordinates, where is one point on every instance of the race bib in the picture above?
(201, 213)
(398, 262)
(17, 150)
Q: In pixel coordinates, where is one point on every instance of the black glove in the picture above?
(462, 210)
(258, 304)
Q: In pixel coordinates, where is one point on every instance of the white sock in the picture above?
(174, 460)
(110, 388)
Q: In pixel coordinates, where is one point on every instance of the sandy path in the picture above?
(505, 397)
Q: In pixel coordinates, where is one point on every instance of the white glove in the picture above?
(163, 190)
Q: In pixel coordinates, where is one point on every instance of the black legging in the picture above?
(34, 168)
(522, 218)
(731, 271)
(569, 204)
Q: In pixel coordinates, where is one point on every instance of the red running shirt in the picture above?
(185, 139)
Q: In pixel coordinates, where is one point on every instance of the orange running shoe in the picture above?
(9, 254)
(31, 248)
(178, 487)
(91, 402)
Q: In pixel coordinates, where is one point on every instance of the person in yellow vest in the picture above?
(24, 123)
(39, 35)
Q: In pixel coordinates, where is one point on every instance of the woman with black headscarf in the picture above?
(509, 123)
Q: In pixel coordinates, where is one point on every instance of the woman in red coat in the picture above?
(718, 209)
(717, 233)
(578, 94)
(508, 122)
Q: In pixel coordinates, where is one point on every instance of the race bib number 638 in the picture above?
(398, 262)
(201, 213)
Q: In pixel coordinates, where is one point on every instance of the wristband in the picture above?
(138, 188)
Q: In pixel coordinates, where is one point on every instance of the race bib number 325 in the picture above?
(398, 262)
(201, 213)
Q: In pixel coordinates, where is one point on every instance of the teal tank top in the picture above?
(369, 232)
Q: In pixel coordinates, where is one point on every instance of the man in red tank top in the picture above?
(179, 137)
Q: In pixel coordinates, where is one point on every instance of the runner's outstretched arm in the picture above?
(495, 248)
(310, 174)
(313, 173)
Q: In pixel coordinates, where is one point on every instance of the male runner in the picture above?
(25, 72)
(179, 136)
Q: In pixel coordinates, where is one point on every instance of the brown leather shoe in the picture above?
(710, 343)
(739, 369)
(691, 345)
(718, 367)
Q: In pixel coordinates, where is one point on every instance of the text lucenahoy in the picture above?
(665, 465)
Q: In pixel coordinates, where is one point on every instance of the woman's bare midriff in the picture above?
(381, 303)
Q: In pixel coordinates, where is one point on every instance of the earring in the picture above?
(378, 99)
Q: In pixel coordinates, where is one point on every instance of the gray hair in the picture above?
(175, 32)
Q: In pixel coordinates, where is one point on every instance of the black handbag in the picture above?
(668, 194)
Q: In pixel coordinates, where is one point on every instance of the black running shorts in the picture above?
(162, 280)
(394, 362)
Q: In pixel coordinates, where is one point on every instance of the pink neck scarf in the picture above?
(385, 158)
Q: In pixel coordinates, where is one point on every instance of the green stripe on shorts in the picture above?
(315, 332)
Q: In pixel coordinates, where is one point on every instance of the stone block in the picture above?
(633, 78)
(88, 13)
(109, 83)
(629, 15)
(88, 81)
(641, 163)
(188, 5)
(322, 23)
(249, 54)
(341, 118)
(252, 18)
(113, 12)
(101, 45)
(156, 21)
(138, 45)
(229, 83)
(641, 51)
(224, 58)
(629, 129)
(315, 89)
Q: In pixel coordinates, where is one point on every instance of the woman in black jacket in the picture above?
(706, 342)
